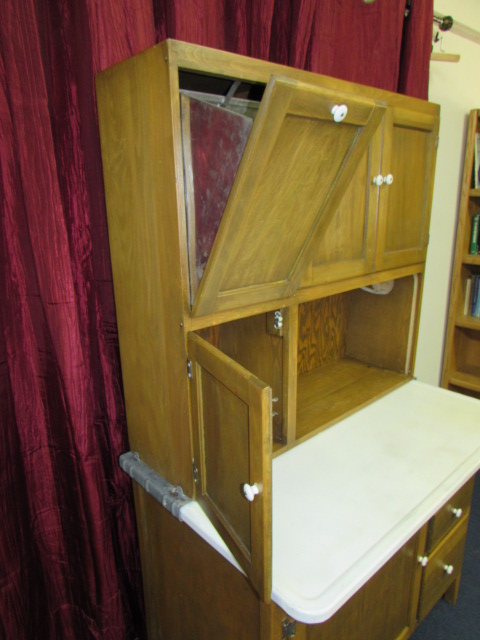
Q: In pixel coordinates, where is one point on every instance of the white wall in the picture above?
(456, 87)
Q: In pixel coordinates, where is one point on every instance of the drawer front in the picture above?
(449, 515)
(443, 568)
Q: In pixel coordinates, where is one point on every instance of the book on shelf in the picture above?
(475, 297)
(476, 162)
(474, 239)
(468, 297)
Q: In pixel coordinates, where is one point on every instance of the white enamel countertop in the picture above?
(347, 499)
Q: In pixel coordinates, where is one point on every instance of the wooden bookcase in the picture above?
(268, 243)
(461, 363)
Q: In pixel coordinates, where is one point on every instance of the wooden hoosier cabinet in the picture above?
(268, 231)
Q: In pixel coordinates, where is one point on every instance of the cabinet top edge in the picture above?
(202, 59)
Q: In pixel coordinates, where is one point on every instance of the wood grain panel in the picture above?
(404, 206)
(379, 326)
(347, 246)
(294, 171)
(139, 175)
(381, 610)
(321, 332)
(231, 415)
(248, 342)
(191, 591)
(337, 389)
(226, 442)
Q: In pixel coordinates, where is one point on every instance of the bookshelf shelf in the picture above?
(469, 258)
(468, 322)
(461, 360)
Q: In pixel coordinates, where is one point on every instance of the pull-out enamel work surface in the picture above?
(347, 499)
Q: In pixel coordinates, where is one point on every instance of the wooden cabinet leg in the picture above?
(451, 594)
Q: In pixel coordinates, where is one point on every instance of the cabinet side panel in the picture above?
(138, 154)
(190, 590)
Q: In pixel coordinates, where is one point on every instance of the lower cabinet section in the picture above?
(198, 595)
(383, 609)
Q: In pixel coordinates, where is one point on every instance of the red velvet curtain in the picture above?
(69, 564)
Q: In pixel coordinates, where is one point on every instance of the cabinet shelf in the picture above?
(334, 391)
(469, 378)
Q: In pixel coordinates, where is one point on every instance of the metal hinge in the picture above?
(189, 369)
(289, 628)
(275, 322)
(195, 472)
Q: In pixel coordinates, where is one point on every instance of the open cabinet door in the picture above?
(300, 156)
(231, 411)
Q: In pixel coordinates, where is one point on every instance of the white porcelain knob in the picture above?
(448, 568)
(378, 180)
(458, 513)
(250, 491)
(339, 111)
(423, 560)
(388, 179)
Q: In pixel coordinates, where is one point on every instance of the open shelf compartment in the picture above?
(329, 357)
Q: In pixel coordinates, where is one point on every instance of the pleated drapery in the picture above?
(69, 565)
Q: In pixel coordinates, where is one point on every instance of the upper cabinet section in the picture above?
(260, 193)
(257, 180)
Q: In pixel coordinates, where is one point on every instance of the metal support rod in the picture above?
(170, 497)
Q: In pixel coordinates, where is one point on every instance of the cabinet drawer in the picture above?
(448, 516)
(443, 568)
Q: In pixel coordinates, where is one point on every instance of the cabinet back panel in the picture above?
(379, 326)
(321, 332)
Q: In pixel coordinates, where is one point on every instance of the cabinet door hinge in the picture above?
(195, 472)
(189, 369)
(289, 628)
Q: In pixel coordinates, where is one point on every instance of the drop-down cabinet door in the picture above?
(300, 156)
(232, 417)
(405, 187)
